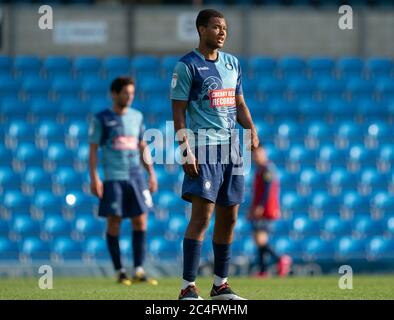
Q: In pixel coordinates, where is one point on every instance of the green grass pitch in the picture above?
(293, 288)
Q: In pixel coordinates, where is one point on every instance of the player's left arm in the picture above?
(245, 120)
(147, 162)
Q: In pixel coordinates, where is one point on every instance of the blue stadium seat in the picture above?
(27, 153)
(386, 155)
(8, 249)
(94, 87)
(78, 201)
(340, 109)
(25, 65)
(32, 248)
(68, 178)
(285, 245)
(125, 247)
(275, 155)
(58, 155)
(95, 248)
(364, 226)
(163, 249)
(369, 109)
(348, 248)
(57, 66)
(5, 156)
(87, 225)
(341, 179)
(319, 132)
(293, 203)
(66, 87)
(167, 200)
(36, 177)
(168, 64)
(349, 132)
(312, 180)
(384, 89)
(71, 108)
(300, 88)
(262, 67)
(269, 88)
(330, 88)
(280, 110)
(54, 226)
(384, 202)
(324, 202)
(116, 66)
(42, 108)
(281, 228)
(378, 67)
(321, 67)
(303, 226)
(177, 224)
(372, 179)
(361, 156)
(330, 156)
(299, 156)
(87, 66)
(9, 87)
(350, 67)
(22, 226)
(15, 201)
(333, 226)
(49, 130)
(145, 66)
(356, 203)
(288, 180)
(19, 130)
(77, 131)
(291, 66)
(360, 88)
(35, 87)
(65, 248)
(379, 248)
(378, 133)
(389, 225)
(8, 178)
(97, 105)
(310, 109)
(152, 85)
(46, 201)
(13, 108)
(318, 250)
(6, 63)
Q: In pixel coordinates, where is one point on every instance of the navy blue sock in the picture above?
(114, 250)
(139, 247)
(191, 258)
(222, 255)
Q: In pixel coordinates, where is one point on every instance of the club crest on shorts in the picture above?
(207, 185)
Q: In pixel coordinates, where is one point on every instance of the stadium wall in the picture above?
(131, 30)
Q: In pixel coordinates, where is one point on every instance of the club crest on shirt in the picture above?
(229, 66)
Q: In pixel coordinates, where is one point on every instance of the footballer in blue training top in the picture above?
(124, 193)
(207, 85)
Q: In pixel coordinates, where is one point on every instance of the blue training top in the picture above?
(119, 137)
(210, 87)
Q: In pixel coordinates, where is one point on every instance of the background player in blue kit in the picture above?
(124, 193)
(207, 85)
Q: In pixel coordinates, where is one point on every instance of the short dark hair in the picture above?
(204, 16)
(120, 82)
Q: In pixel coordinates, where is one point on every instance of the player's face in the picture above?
(215, 33)
(125, 97)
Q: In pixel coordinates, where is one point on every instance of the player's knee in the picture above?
(139, 223)
(200, 223)
(113, 226)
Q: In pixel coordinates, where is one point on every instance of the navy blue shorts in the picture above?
(125, 198)
(262, 225)
(221, 182)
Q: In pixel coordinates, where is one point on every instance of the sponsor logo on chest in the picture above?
(221, 98)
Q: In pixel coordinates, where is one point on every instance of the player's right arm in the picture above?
(96, 185)
(95, 132)
(180, 89)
